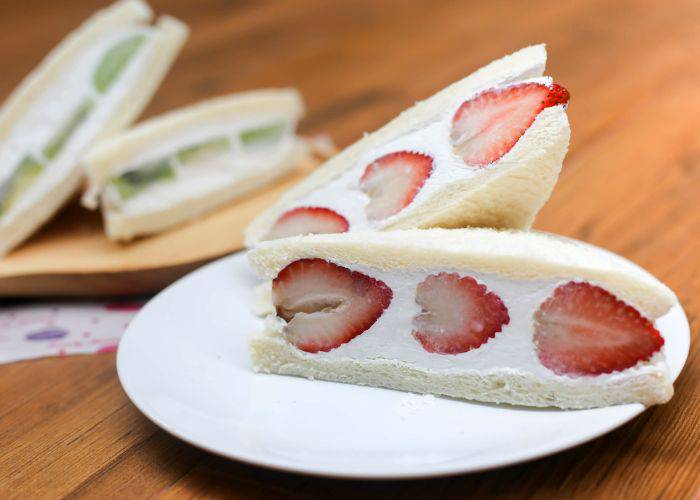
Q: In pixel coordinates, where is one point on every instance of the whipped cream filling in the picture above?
(432, 138)
(74, 86)
(193, 180)
(390, 337)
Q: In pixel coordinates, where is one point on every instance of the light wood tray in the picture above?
(72, 257)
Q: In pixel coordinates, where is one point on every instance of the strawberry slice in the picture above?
(326, 305)
(308, 220)
(392, 181)
(583, 329)
(487, 126)
(458, 314)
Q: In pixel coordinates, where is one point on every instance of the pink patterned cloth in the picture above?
(29, 331)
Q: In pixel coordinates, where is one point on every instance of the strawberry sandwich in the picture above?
(498, 316)
(485, 151)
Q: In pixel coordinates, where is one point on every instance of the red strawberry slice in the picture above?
(392, 181)
(308, 220)
(326, 305)
(487, 126)
(583, 329)
(458, 314)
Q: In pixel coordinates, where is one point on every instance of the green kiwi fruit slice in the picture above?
(114, 62)
(61, 137)
(260, 135)
(203, 150)
(132, 182)
(19, 181)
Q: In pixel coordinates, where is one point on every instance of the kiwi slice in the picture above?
(114, 62)
(61, 137)
(260, 135)
(130, 183)
(19, 181)
(203, 150)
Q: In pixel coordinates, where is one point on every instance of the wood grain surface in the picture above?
(631, 183)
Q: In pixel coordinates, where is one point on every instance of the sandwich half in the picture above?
(513, 317)
(179, 165)
(95, 82)
(485, 151)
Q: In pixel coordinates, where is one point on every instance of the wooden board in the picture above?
(71, 256)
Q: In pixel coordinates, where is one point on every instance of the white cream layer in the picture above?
(390, 338)
(344, 196)
(53, 107)
(195, 179)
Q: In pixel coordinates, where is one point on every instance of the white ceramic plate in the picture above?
(184, 363)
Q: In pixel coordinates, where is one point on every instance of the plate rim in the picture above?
(445, 470)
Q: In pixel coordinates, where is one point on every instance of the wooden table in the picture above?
(631, 183)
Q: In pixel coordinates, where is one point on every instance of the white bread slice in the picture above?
(509, 254)
(114, 154)
(508, 196)
(167, 40)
